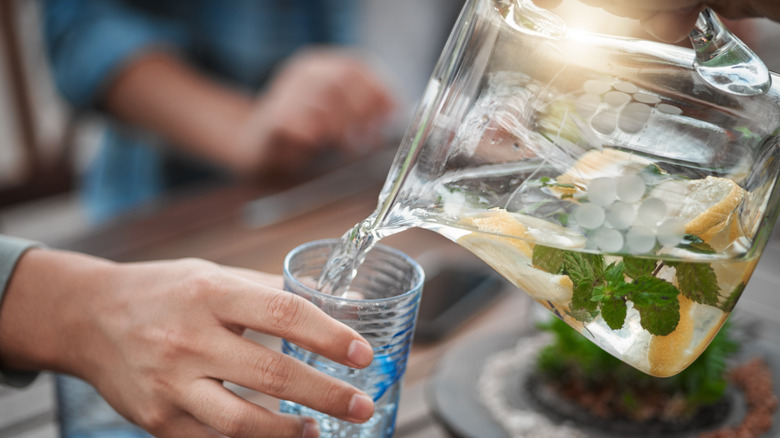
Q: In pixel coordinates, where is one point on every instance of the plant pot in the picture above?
(487, 388)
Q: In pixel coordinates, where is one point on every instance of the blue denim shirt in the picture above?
(237, 41)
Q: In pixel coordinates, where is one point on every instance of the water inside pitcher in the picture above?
(604, 176)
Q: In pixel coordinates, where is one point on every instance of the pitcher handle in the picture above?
(724, 61)
(526, 17)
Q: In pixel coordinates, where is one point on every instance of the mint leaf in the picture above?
(582, 305)
(601, 288)
(652, 169)
(636, 267)
(698, 282)
(546, 181)
(657, 303)
(695, 244)
(548, 259)
(614, 311)
(583, 268)
(609, 296)
(585, 271)
(614, 274)
(731, 301)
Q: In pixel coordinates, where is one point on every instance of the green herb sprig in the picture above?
(606, 289)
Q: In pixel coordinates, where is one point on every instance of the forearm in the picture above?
(157, 339)
(43, 310)
(158, 92)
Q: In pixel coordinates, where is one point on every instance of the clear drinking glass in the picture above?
(381, 305)
(604, 176)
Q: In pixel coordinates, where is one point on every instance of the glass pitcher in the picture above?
(604, 176)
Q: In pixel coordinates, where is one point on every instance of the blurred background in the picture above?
(44, 148)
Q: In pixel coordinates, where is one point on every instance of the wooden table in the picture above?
(211, 224)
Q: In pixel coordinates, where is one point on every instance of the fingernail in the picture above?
(361, 407)
(311, 429)
(360, 353)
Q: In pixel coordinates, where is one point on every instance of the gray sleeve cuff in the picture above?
(11, 249)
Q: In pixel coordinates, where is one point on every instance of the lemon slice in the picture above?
(523, 231)
(699, 323)
(498, 225)
(499, 240)
(666, 354)
(707, 206)
(596, 164)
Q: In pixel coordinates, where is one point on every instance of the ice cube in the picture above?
(595, 86)
(630, 188)
(640, 239)
(602, 191)
(621, 215)
(671, 231)
(616, 98)
(651, 211)
(590, 216)
(634, 117)
(605, 122)
(669, 109)
(626, 87)
(650, 99)
(609, 240)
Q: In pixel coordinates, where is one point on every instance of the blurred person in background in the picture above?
(205, 90)
(242, 87)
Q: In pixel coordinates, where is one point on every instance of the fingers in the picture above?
(671, 26)
(346, 98)
(264, 278)
(322, 98)
(666, 20)
(185, 426)
(239, 418)
(246, 300)
(634, 9)
(286, 315)
(547, 4)
(366, 106)
(248, 364)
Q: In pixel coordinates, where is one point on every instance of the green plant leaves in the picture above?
(571, 356)
(548, 259)
(697, 282)
(614, 313)
(608, 289)
(636, 267)
(657, 303)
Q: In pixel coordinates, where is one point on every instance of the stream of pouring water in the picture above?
(346, 258)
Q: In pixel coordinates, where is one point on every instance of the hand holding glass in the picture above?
(381, 305)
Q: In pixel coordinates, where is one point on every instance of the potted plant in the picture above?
(577, 381)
